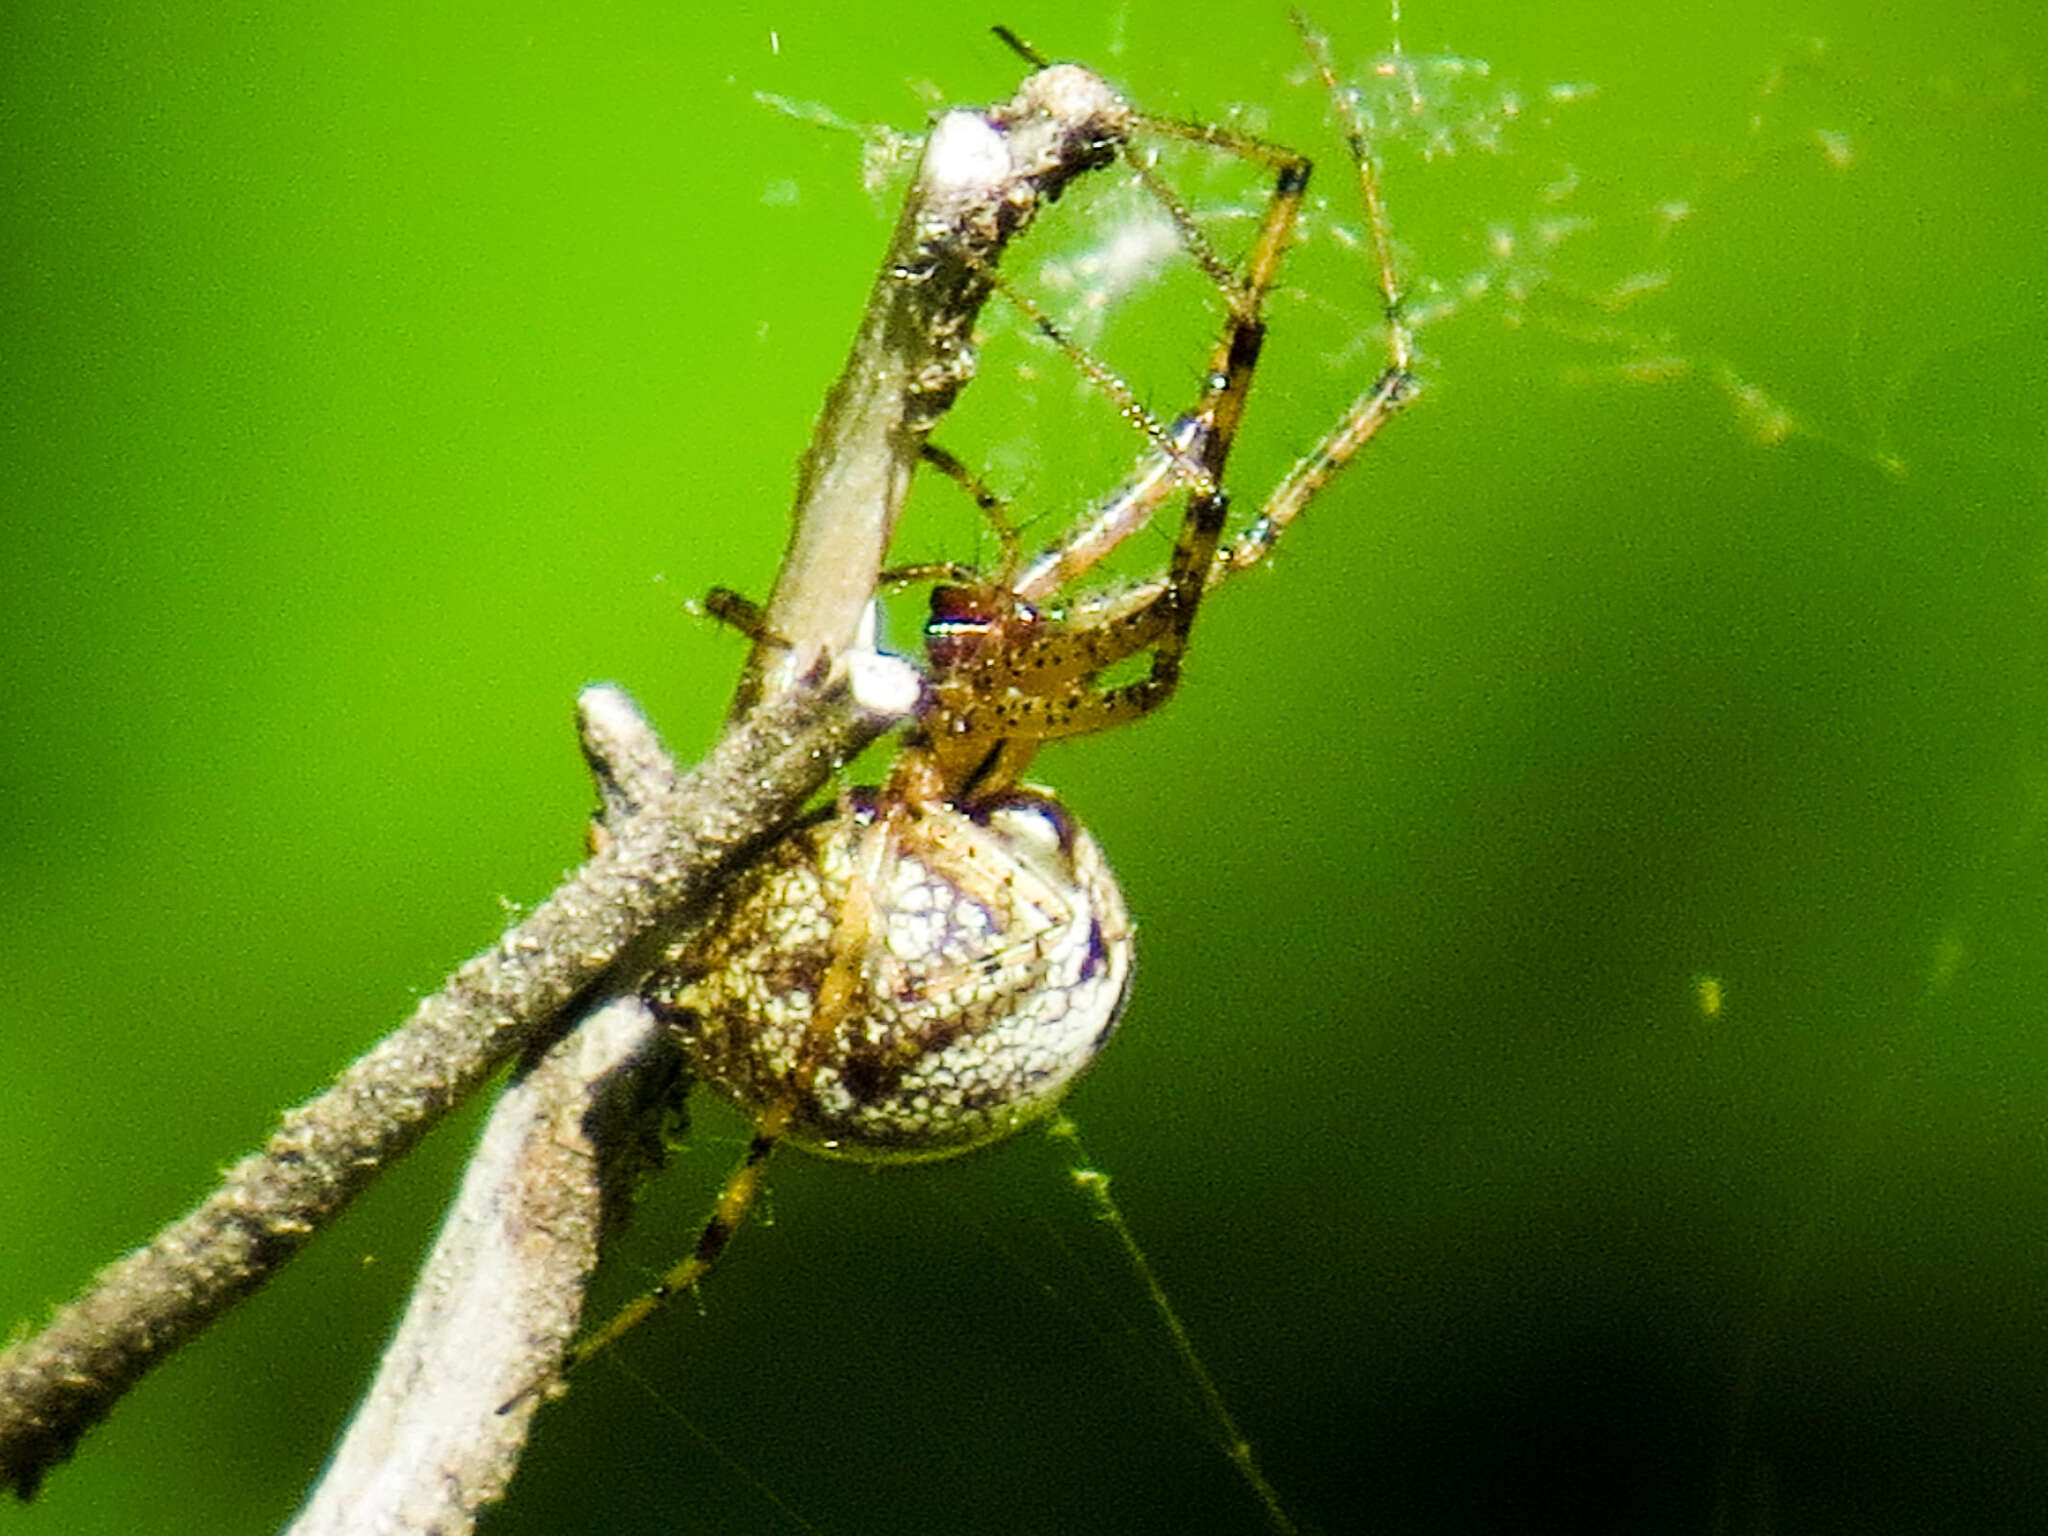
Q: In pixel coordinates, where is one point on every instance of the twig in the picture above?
(500, 1295)
(545, 1165)
(663, 859)
(983, 178)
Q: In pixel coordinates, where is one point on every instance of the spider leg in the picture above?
(1130, 507)
(1395, 385)
(1246, 291)
(1164, 441)
(735, 1199)
(737, 612)
(1246, 294)
(1360, 423)
(928, 570)
(1344, 102)
(1165, 620)
(838, 992)
(991, 505)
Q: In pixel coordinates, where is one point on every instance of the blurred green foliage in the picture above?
(373, 377)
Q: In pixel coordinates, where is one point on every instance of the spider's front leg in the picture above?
(1130, 509)
(1042, 689)
(1396, 384)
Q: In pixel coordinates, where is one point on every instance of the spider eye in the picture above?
(956, 605)
(964, 619)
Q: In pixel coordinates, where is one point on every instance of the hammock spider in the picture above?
(924, 967)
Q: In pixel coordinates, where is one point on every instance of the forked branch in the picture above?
(663, 860)
(670, 842)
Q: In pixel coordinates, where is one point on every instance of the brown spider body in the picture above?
(996, 662)
(925, 967)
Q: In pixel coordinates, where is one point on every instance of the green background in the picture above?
(373, 377)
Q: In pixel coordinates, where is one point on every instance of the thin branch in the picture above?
(663, 859)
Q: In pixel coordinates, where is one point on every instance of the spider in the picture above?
(924, 966)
